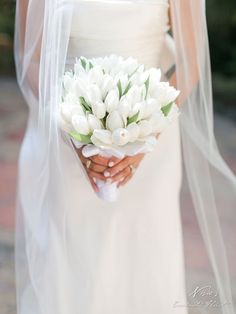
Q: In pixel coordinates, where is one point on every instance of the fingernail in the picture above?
(111, 164)
(94, 180)
(106, 174)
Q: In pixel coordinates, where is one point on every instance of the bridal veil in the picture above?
(41, 39)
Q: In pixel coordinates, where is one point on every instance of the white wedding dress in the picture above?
(76, 254)
(126, 257)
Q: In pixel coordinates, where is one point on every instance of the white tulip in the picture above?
(138, 107)
(112, 100)
(133, 130)
(94, 122)
(101, 137)
(98, 85)
(130, 65)
(107, 84)
(151, 107)
(158, 122)
(103, 62)
(64, 125)
(154, 76)
(134, 94)
(114, 64)
(137, 78)
(68, 110)
(143, 77)
(174, 112)
(71, 98)
(93, 94)
(124, 107)
(164, 93)
(68, 81)
(79, 70)
(145, 128)
(80, 87)
(114, 121)
(99, 109)
(95, 75)
(80, 124)
(120, 136)
(123, 81)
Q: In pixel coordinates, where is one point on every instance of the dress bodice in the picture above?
(123, 27)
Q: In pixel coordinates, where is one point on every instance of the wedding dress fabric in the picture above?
(128, 253)
(124, 257)
(75, 253)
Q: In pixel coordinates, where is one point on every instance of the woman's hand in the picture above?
(109, 169)
(95, 166)
(123, 171)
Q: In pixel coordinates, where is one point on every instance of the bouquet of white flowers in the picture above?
(114, 106)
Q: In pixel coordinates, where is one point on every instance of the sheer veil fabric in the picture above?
(41, 41)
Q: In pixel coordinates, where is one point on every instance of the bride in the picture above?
(74, 252)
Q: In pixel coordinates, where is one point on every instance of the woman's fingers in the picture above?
(94, 185)
(104, 161)
(98, 163)
(122, 174)
(95, 167)
(126, 179)
(96, 175)
(124, 163)
(91, 165)
(109, 169)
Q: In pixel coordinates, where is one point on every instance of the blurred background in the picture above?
(221, 16)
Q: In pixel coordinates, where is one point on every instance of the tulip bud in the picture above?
(66, 112)
(164, 94)
(114, 121)
(95, 75)
(68, 81)
(133, 130)
(107, 84)
(158, 122)
(79, 69)
(94, 122)
(120, 136)
(124, 107)
(64, 125)
(99, 109)
(134, 94)
(101, 137)
(80, 124)
(131, 65)
(145, 128)
(174, 113)
(138, 107)
(112, 100)
(93, 94)
(151, 107)
(71, 98)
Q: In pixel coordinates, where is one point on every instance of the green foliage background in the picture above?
(221, 17)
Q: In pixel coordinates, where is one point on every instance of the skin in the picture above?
(109, 169)
(113, 169)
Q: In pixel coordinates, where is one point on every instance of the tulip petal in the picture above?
(120, 136)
